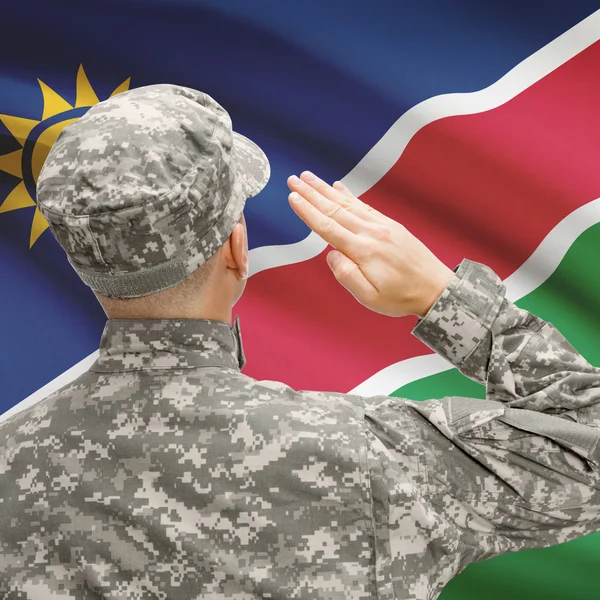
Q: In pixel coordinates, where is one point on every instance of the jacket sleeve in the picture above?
(520, 469)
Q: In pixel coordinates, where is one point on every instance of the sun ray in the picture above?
(18, 198)
(86, 96)
(53, 103)
(19, 128)
(27, 167)
(11, 163)
(38, 227)
(122, 88)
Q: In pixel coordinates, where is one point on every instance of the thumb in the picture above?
(350, 276)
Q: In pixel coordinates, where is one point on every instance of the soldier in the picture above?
(164, 472)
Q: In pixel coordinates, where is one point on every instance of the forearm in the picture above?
(520, 358)
(539, 426)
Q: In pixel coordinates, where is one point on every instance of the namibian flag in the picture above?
(475, 125)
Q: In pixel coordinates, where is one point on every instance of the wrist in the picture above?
(434, 292)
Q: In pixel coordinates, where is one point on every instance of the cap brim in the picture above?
(253, 166)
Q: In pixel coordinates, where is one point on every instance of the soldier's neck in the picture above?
(207, 308)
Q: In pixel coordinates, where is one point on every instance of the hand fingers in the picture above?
(351, 277)
(331, 209)
(371, 213)
(343, 197)
(331, 231)
(340, 187)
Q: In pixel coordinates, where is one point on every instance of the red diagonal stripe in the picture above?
(488, 187)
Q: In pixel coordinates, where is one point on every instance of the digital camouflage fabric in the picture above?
(164, 472)
(147, 186)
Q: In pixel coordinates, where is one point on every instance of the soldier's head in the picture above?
(145, 194)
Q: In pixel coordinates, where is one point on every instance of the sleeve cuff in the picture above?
(462, 316)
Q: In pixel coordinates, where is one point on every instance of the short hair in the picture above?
(178, 295)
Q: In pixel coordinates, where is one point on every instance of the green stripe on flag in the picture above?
(570, 299)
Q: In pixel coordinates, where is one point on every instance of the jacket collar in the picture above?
(140, 344)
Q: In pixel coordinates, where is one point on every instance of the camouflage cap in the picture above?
(146, 187)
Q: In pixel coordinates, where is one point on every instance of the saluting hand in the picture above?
(384, 266)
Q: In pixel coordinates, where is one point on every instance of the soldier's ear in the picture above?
(236, 251)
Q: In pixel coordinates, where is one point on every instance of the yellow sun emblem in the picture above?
(36, 139)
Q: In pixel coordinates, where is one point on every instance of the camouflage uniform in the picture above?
(165, 473)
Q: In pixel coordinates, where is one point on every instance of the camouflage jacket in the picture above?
(165, 473)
